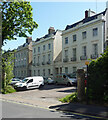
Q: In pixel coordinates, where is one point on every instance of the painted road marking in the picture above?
(54, 110)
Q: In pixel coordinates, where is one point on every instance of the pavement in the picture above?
(91, 110)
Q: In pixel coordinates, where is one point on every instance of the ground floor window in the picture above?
(66, 70)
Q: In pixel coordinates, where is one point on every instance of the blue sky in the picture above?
(57, 15)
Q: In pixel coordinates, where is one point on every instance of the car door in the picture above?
(30, 83)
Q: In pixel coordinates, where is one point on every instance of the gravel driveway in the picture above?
(44, 97)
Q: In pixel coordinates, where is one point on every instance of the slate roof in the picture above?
(85, 20)
(46, 36)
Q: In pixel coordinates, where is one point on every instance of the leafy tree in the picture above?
(7, 69)
(17, 19)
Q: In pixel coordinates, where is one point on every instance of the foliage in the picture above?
(8, 89)
(69, 98)
(7, 69)
(16, 19)
(98, 78)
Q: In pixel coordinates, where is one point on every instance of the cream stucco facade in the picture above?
(23, 60)
(45, 52)
(84, 40)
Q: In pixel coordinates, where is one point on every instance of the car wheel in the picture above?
(68, 84)
(24, 88)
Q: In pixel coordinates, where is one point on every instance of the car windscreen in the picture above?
(71, 76)
(24, 80)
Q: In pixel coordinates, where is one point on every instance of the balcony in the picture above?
(93, 56)
(38, 64)
(73, 59)
(65, 59)
(43, 63)
(83, 57)
(48, 62)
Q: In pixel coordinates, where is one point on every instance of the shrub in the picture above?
(69, 98)
(98, 78)
(8, 89)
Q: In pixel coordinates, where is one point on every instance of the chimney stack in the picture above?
(86, 14)
(51, 30)
(28, 39)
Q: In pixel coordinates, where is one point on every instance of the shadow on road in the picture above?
(78, 108)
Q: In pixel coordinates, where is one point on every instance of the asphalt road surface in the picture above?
(20, 110)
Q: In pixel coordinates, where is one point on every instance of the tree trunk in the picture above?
(80, 84)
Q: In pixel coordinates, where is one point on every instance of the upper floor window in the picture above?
(43, 58)
(34, 50)
(66, 53)
(95, 49)
(74, 52)
(43, 47)
(84, 51)
(95, 31)
(74, 38)
(49, 57)
(38, 49)
(43, 72)
(84, 35)
(34, 60)
(38, 59)
(49, 46)
(66, 40)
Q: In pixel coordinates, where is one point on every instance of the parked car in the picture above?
(50, 81)
(66, 79)
(29, 83)
(45, 80)
(14, 81)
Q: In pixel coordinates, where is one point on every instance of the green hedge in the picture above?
(98, 78)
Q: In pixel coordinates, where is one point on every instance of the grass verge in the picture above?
(70, 98)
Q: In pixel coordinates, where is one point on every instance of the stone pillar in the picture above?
(80, 84)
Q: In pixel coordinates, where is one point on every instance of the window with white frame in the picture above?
(38, 49)
(43, 58)
(34, 60)
(39, 72)
(43, 47)
(95, 49)
(43, 72)
(49, 46)
(34, 72)
(84, 50)
(38, 59)
(74, 69)
(74, 52)
(74, 38)
(34, 50)
(84, 35)
(66, 70)
(66, 53)
(66, 40)
(49, 57)
(95, 32)
(49, 71)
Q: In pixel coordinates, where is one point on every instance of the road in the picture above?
(19, 110)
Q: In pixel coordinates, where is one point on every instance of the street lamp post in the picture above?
(87, 63)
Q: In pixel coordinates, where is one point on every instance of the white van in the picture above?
(30, 82)
(66, 79)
